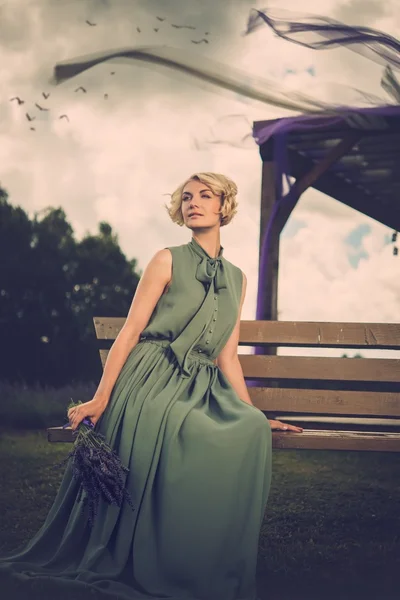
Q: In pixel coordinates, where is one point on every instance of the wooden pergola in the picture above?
(357, 166)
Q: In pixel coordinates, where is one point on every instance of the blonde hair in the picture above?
(219, 185)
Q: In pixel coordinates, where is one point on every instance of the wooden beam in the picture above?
(269, 279)
(309, 178)
(330, 158)
(270, 309)
(349, 194)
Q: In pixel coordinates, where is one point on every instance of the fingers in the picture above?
(286, 427)
(74, 418)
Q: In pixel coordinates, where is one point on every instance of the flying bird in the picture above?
(183, 26)
(32, 129)
(207, 33)
(64, 117)
(91, 24)
(80, 88)
(29, 117)
(18, 99)
(45, 96)
(40, 107)
(199, 41)
(160, 19)
(112, 73)
(138, 29)
(105, 96)
(155, 29)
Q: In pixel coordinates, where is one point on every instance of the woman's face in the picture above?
(199, 199)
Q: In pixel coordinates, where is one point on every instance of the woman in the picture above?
(174, 405)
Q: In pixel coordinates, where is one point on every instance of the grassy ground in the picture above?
(331, 529)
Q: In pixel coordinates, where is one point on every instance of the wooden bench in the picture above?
(342, 403)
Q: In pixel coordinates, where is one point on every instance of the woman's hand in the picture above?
(92, 409)
(279, 425)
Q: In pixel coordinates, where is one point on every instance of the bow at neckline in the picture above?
(209, 269)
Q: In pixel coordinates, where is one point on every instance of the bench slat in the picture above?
(107, 328)
(308, 440)
(320, 334)
(314, 367)
(293, 333)
(332, 402)
(337, 440)
(321, 368)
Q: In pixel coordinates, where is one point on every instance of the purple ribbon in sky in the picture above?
(307, 31)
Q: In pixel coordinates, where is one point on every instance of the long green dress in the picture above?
(199, 460)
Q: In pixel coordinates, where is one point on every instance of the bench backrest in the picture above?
(313, 385)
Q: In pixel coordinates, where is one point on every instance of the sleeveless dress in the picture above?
(199, 460)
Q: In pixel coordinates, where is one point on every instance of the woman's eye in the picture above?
(187, 197)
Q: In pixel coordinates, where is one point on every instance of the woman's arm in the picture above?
(150, 288)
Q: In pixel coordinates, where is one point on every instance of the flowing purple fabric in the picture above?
(390, 84)
(308, 30)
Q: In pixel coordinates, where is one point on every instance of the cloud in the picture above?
(362, 12)
(291, 227)
(356, 235)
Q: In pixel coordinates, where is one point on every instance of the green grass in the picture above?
(332, 524)
(331, 528)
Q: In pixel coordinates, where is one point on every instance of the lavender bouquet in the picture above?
(97, 467)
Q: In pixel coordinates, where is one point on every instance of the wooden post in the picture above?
(269, 311)
(270, 277)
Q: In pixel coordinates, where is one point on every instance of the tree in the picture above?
(51, 287)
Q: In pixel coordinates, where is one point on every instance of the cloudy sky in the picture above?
(138, 133)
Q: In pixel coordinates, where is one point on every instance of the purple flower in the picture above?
(98, 469)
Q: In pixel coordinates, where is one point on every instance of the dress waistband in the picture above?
(194, 354)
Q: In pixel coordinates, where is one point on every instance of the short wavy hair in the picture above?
(219, 184)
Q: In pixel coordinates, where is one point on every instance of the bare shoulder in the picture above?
(162, 257)
(160, 266)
